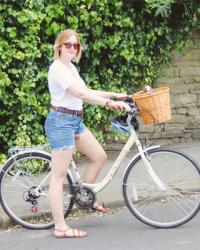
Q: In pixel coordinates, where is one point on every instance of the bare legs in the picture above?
(88, 145)
(60, 163)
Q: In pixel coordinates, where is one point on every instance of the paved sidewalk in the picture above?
(112, 194)
(119, 231)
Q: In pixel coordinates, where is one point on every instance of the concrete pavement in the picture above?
(112, 194)
(120, 231)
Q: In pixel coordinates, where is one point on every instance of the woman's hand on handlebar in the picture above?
(120, 105)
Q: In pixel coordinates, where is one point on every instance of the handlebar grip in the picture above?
(129, 100)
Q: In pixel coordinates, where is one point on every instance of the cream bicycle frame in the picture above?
(96, 187)
(73, 172)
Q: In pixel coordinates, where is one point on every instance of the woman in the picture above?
(64, 127)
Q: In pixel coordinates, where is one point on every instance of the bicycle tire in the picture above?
(178, 204)
(18, 180)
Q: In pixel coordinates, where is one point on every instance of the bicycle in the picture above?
(160, 185)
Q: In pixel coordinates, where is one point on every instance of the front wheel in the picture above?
(175, 205)
(24, 184)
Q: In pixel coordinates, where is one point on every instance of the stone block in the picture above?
(164, 141)
(189, 80)
(179, 88)
(150, 136)
(172, 72)
(195, 88)
(187, 63)
(196, 134)
(174, 134)
(184, 100)
(173, 111)
(193, 111)
(165, 81)
(190, 71)
(178, 119)
(146, 128)
(171, 127)
(181, 111)
(192, 54)
(187, 135)
(193, 123)
(197, 79)
(175, 140)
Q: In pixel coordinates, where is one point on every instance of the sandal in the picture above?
(99, 208)
(75, 233)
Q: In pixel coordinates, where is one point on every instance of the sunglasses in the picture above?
(69, 45)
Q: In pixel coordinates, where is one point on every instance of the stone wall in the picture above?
(183, 78)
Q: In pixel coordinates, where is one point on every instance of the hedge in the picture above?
(125, 43)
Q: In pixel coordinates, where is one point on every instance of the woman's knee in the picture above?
(100, 157)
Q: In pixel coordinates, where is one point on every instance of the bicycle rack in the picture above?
(17, 149)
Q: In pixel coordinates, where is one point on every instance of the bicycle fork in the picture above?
(148, 166)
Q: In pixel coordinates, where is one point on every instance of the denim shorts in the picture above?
(61, 128)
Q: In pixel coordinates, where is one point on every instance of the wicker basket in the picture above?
(154, 106)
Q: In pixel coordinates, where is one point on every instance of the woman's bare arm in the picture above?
(109, 95)
(93, 97)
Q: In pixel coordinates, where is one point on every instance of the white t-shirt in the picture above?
(59, 80)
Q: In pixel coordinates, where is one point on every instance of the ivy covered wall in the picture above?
(125, 43)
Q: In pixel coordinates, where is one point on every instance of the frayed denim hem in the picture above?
(64, 147)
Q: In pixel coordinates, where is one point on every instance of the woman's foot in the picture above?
(99, 208)
(69, 233)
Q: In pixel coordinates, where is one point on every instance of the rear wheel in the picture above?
(24, 184)
(174, 206)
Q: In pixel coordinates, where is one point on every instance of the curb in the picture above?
(8, 222)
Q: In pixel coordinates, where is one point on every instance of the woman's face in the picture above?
(70, 47)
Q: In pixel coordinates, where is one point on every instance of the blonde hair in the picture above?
(61, 38)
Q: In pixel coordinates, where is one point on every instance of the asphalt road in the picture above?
(119, 231)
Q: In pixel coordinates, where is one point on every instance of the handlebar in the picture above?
(130, 101)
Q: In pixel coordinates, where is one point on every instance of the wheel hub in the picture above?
(31, 196)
